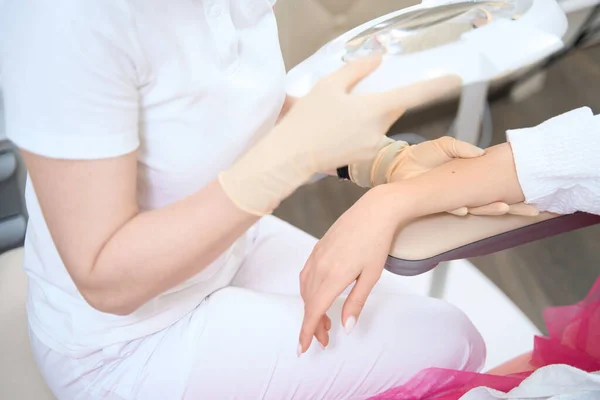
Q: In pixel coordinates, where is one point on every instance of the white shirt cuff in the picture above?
(558, 162)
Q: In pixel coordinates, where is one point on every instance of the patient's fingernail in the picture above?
(480, 151)
(350, 322)
(299, 350)
(461, 212)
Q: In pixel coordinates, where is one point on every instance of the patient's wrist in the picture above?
(394, 202)
(458, 183)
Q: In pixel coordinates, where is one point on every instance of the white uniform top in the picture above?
(189, 83)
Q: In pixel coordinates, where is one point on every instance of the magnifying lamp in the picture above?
(481, 41)
(477, 40)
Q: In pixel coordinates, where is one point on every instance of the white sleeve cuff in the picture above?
(558, 162)
(73, 147)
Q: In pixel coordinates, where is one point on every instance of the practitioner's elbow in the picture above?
(109, 301)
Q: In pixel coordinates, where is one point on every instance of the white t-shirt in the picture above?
(190, 83)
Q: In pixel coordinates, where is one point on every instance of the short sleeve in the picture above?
(68, 80)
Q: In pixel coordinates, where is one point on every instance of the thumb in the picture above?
(458, 149)
(355, 71)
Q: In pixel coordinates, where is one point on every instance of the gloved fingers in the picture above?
(525, 210)
(457, 148)
(353, 72)
(418, 94)
(497, 208)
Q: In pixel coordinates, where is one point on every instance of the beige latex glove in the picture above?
(326, 129)
(397, 161)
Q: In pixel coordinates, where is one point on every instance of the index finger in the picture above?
(355, 71)
(420, 93)
(315, 308)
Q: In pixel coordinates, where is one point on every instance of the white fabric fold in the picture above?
(554, 382)
(558, 162)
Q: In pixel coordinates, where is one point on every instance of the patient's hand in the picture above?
(354, 249)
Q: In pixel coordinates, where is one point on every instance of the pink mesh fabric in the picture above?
(573, 339)
(573, 335)
(444, 384)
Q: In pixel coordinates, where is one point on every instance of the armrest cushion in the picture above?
(424, 243)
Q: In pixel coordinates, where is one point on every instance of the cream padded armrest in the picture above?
(424, 243)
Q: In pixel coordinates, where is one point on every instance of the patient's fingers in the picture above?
(490, 209)
(460, 212)
(357, 298)
(522, 209)
(321, 333)
(327, 323)
(318, 297)
(498, 208)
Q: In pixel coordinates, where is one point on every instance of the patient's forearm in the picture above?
(458, 183)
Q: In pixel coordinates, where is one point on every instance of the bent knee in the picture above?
(265, 318)
(461, 346)
(431, 333)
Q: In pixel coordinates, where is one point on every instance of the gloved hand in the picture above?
(396, 161)
(326, 129)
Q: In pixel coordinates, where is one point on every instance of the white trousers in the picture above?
(240, 343)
